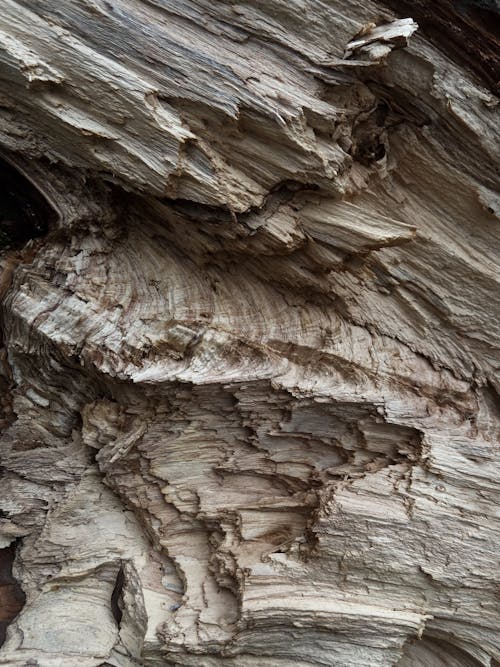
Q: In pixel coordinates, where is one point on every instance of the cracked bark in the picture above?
(250, 318)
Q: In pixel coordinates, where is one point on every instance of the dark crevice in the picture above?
(369, 151)
(12, 598)
(116, 596)
(24, 212)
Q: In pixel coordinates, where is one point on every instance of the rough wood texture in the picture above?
(250, 393)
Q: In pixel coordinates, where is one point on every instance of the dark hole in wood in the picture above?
(369, 151)
(381, 113)
(12, 598)
(24, 212)
(116, 595)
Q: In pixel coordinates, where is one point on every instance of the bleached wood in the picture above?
(250, 377)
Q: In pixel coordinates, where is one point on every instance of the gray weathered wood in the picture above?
(250, 391)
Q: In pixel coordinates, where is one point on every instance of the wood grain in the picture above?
(251, 370)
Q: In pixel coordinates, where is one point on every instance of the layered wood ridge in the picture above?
(250, 392)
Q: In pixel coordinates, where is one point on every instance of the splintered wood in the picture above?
(250, 400)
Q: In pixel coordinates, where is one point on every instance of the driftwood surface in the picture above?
(250, 329)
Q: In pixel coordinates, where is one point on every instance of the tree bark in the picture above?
(250, 324)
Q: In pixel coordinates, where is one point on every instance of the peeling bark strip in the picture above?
(250, 398)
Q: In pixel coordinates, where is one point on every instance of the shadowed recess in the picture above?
(434, 652)
(115, 597)
(466, 30)
(24, 213)
(12, 597)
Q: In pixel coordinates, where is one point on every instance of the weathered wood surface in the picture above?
(250, 392)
